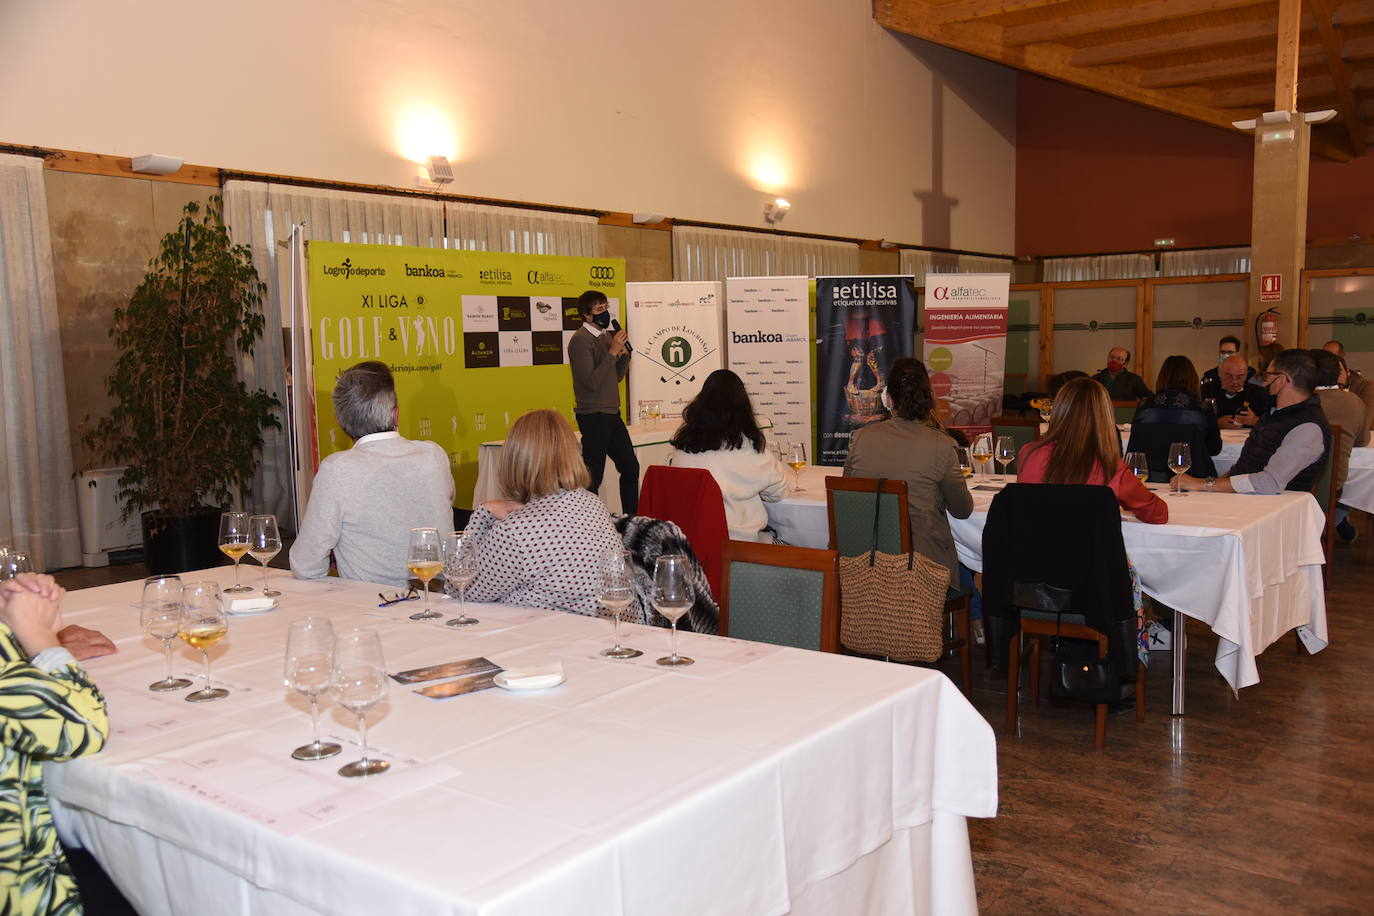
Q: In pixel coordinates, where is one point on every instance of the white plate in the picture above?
(538, 682)
(228, 609)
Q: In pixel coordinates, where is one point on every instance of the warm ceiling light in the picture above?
(438, 170)
(155, 164)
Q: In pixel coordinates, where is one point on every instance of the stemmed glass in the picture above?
(796, 460)
(672, 597)
(461, 569)
(1005, 453)
(202, 625)
(1180, 460)
(655, 411)
(982, 453)
(264, 543)
(13, 562)
(360, 678)
(233, 541)
(1046, 408)
(425, 559)
(160, 616)
(964, 460)
(1139, 465)
(615, 594)
(310, 670)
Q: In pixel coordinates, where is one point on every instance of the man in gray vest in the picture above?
(599, 357)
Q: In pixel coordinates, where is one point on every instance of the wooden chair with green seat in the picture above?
(786, 596)
(1022, 430)
(1324, 489)
(849, 512)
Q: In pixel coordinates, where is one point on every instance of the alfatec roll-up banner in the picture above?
(966, 344)
(863, 325)
(675, 330)
(770, 349)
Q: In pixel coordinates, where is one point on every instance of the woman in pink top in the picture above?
(1082, 447)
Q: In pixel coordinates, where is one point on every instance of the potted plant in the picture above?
(189, 430)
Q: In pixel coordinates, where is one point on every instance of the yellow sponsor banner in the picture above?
(473, 338)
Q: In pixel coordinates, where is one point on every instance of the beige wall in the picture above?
(695, 110)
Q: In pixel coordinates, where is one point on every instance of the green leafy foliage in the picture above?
(189, 430)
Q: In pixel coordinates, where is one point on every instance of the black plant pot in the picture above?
(180, 543)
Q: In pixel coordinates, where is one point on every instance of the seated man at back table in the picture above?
(1357, 384)
(1121, 383)
(1345, 410)
(1238, 404)
(1286, 448)
(1227, 347)
(365, 500)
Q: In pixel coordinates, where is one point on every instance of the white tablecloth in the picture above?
(1247, 566)
(761, 780)
(651, 447)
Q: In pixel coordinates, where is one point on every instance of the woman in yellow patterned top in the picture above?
(49, 710)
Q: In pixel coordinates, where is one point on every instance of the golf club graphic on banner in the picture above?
(770, 350)
(863, 324)
(966, 344)
(674, 329)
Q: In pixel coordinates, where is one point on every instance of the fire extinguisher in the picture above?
(1267, 327)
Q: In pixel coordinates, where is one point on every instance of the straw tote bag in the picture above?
(892, 604)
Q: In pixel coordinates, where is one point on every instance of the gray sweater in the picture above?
(596, 374)
(363, 504)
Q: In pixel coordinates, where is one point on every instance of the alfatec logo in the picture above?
(348, 271)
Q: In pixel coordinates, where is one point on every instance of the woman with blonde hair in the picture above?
(542, 545)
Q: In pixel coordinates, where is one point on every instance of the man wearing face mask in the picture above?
(1227, 347)
(1121, 383)
(599, 358)
(1286, 449)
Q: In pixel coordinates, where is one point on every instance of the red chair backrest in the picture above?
(691, 498)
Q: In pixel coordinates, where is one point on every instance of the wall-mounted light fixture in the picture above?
(776, 209)
(644, 219)
(437, 171)
(156, 164)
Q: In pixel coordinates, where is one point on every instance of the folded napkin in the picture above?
(534, 677)
(239, 605)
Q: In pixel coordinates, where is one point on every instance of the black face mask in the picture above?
(603, 320)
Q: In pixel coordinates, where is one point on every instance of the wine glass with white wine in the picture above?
(1138, 465)
(233, 541)
(615, 594)
(202, 625)
(310, 670)
(1180, 460)
(982, 453)
(425, 560)
(360, 679)
(673, 598)
(796, 460)
(264, 543)
(964, 460)
(460, 568)
(160, 616)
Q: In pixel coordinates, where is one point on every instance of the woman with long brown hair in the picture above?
(1175, 414)
(1082, 447)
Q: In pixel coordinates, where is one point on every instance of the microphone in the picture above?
(615, 326)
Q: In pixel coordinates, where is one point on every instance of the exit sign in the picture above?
(1271, 287)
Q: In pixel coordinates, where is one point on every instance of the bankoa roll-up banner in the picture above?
(675, 331)
(966, 344)
(863, 325)
(769, 341)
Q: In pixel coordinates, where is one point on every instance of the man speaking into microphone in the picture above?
(599, 357)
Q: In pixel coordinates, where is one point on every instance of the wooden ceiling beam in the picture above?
(1354, 12)
(1340, 74)
(1357, 48)
(964, 10)
(1121, 51)
(1224, 68)
(1117, 18)
(1254, 96)
(1290, 51)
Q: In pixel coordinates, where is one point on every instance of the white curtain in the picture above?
(480, 227)
(917, 263)
(1204, 263)
(1099, 267)
(260, 215)
(714, 254)
(37, 497)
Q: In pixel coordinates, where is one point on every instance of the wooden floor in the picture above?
(1259, 805)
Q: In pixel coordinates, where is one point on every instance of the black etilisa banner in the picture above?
(863, 324)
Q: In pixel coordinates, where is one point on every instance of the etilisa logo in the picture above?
(348, 271)
(423, 270)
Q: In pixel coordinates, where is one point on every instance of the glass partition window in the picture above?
(1089, 322)
(1190, 318)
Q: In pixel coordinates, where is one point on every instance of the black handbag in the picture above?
(1080, 675)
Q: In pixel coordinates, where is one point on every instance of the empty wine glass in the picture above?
(264, 543)
(796, 460)
(1005, 452)
(360, 678)
(13, 562)
(673, 597)
(460, 568)
(1180, 460)
(160, 616)
(1138, 465)
(965, 461)
(233, 541)
(310, 670)
(202, 625)
(425, 560)
(615, 594)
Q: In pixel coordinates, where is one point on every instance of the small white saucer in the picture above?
(252, 612)
(536, 679)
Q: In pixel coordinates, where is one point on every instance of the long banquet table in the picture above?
(1247, 566)
(760, 780)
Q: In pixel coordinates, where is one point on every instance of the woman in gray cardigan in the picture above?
(912, 446)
